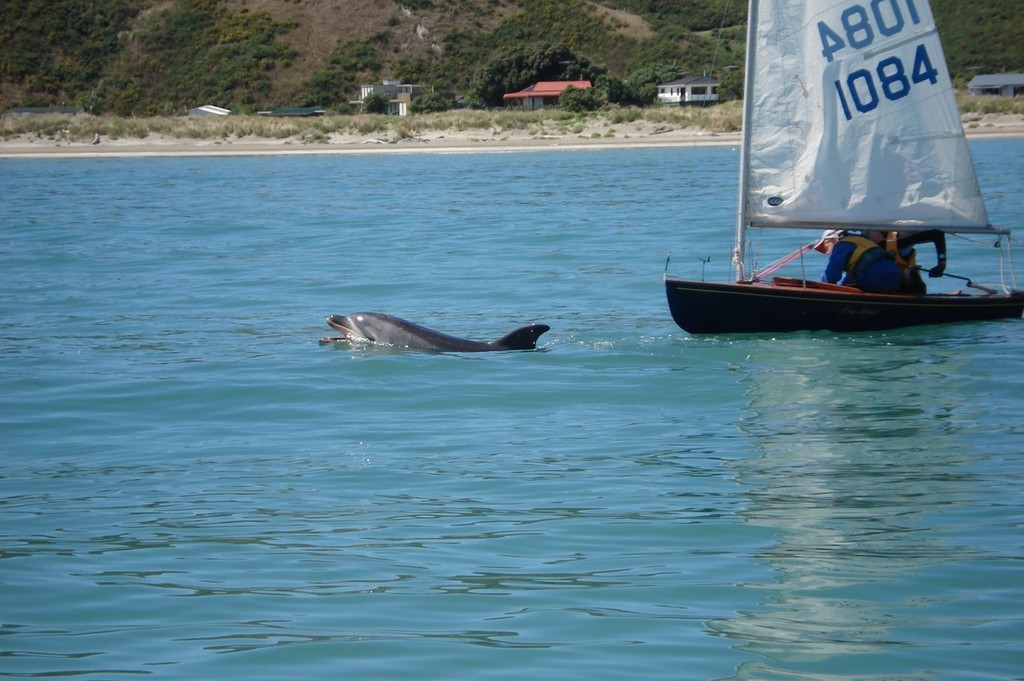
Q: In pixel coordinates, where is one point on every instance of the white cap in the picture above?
(826, 236)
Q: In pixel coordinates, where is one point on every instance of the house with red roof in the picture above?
(543, 93)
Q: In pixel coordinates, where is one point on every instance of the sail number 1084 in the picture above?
(863, 89)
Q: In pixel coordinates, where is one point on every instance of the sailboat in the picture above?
(849, 123)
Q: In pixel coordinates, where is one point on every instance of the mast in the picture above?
(748, 109)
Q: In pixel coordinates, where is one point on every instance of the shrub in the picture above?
(375, 103)
(432, 102)
(577, 100)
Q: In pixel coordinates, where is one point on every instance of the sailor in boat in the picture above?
(855, 260)
(902, 250)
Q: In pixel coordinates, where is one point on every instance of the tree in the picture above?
(642, 85)
(191, 52)
(730, 86)
(528, 64)
(611, 89)
(375, 103)
(430, 103)
(349, 62)
(577, 99)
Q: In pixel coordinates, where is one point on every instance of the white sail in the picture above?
(851, 120)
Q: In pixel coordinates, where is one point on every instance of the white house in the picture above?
(1005, 84)
(400, 95)
(690, 90)
(208, 110)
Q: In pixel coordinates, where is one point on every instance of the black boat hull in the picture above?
(701, 307)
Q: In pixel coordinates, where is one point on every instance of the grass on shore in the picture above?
(318, 130)
(725, 117)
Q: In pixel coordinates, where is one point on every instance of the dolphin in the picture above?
(383, 328)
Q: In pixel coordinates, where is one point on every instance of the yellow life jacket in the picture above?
(862, 245)
(892, 246)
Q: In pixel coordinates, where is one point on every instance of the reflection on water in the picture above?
(857, 456)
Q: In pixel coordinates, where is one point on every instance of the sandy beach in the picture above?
(452, 140)
(595, 136)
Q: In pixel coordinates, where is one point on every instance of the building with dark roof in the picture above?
(689, 90)
(1005, 84)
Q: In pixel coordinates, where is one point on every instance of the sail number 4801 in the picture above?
(860, 31)
(861, 25)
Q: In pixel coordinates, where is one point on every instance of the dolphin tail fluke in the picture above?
(524, 338)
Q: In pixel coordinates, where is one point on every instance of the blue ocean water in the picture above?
(193, 487)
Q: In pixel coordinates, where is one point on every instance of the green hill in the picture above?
(161, 56)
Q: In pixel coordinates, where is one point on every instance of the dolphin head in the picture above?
(353, 327)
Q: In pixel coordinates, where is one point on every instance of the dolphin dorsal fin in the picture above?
(524, 338)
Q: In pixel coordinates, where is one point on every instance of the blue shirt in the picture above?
(882, 276)
(836, 267)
